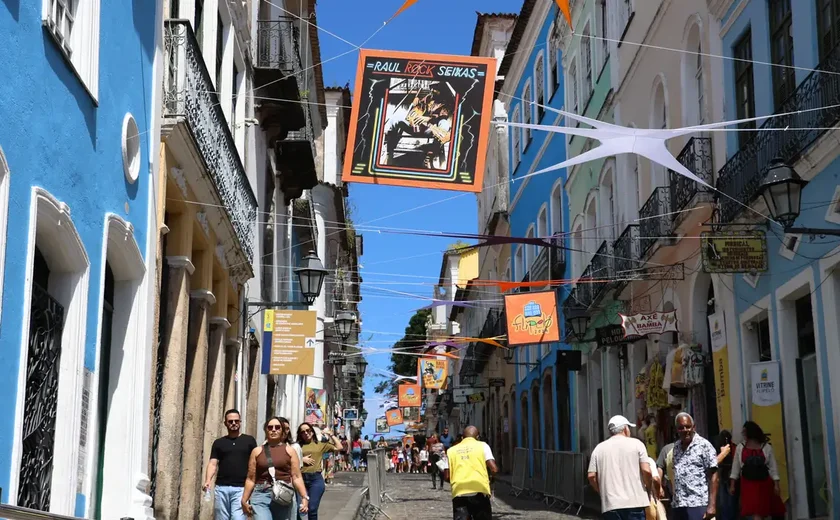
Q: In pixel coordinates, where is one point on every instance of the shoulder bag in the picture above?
(282, 493)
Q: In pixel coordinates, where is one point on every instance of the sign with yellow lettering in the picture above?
(720, 360)
(766, 384)
(734, 251)
(292, 342)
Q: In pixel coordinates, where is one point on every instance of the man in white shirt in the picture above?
(620, 471)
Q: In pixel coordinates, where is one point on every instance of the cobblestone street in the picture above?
(414, 499)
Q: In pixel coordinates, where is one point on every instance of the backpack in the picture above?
(754, 467)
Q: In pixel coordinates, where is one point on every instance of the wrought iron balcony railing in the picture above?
(189, 94)
(278, 45)
(557, 262)
(627, 251)
(584, 287)
(540, 268)
(655, 219)
(811, 109)
(697, 157)
(602, 270)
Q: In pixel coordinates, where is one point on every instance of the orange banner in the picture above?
(409, 395)
(406, 5)
(394, 417)
(532, 318)
(564, 8)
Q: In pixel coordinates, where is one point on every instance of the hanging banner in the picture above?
(420, 120)
(433, 373)
(316, 403)
(720, 361)
(532, 318)
(292, 343)
(409, 395)
(411, 413)
(649, 323)
(766, 385)
(382, 425)
(394, 417)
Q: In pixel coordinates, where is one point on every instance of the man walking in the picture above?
(470, 464)
(446, 439)
(229, 463)
(620, 471)
(695, 484)
(366, 447)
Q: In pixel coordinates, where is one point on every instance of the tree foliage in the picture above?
(401, 364)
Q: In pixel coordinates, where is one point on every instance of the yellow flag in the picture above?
(567, 12)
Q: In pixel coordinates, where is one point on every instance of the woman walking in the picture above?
(276, 453)
(754, 466)
(313, 456)
(356, 452)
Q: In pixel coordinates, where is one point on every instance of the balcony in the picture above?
(189, 97)
(277, 72)
(655, 220)
(478, 353)
(741, 176)
(627, 252)
(602, 270)
(296, 160)
(697, 157)
(540, 269)
(558, 256)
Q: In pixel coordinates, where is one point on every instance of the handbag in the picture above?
(282, 493)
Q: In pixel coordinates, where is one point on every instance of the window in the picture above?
(74, 25)
(573, 94)
(532, 253)
(781, 51)
(744, 98)
(526, 114)
(698, 80)
(828, 26)
(605, 44)
(660, 120)
(514, 138)
(554, 70)
(762, 331)
(233, 99)
(519, 264)
(586, 57)
(557, 210)
(220, 53)
(542, 224)
(539, 87)
(199, 23)
(625, 14)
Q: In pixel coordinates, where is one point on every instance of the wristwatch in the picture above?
(305, 498)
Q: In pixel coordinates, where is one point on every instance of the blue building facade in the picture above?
(788, 314)
(78, 142)
(544, 387)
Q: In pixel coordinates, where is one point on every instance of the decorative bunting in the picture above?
(563, 5)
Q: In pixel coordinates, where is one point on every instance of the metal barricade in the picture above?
(377, 467)
(539, 474)
(520, 470)
(23, 513)
(553, 481)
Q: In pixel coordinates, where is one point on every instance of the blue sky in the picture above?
(393, 262)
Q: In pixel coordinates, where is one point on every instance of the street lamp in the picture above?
(311, 275)
(344, 321)
(362, 366)
(782, 192)
(578, 318)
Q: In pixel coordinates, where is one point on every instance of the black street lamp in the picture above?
(578, 319)
(311, 275)
(344, 321)
(362, 367)
(782, 192)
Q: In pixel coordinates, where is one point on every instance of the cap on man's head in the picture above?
(619, 421)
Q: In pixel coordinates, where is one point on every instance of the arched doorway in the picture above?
(548, 410)
(536, 426)
(523, 440)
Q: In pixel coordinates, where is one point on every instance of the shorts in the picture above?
(632, 513)
(688, 513)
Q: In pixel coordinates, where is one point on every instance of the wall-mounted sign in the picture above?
(420, 120)
(409, 395)
(532, 318)
(382, 425)
(650, 323)
(351, 414)
(477, 397)
(292, 336)
(497, 382)
(734, 251)
(337, 358)
(433, 373)
(612, 335)
(394, 417)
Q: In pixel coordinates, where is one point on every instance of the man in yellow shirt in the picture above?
(468, 470)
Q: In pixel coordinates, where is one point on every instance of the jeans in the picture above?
(265, 509)
(315, 488)
(727, 505)
(473, 507)
(435, 471)
(229, 503)
(632, 513)
(357, 454)
(688, 513)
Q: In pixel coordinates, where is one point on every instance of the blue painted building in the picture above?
(532, 70)
(78, 145)
(788, 314)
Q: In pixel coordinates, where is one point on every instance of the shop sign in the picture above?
(476, 398)
(734, 251)
(337, 358)
(649, 323)
(611, 336)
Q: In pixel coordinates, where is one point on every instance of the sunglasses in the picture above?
(233, 421)
(309, 432)
(274, 427)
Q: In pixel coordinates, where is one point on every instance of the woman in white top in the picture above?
(424, 460)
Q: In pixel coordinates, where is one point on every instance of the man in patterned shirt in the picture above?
(695, 483)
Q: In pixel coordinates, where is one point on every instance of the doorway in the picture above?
(104, 382)
(709, 372)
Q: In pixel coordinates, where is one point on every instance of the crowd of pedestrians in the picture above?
(692, 479)
(282, 479)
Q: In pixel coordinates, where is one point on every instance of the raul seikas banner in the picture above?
(433, 373)
(766, 385)
(532, 318)
(720, 360)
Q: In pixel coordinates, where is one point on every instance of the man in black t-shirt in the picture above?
(229, 463)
